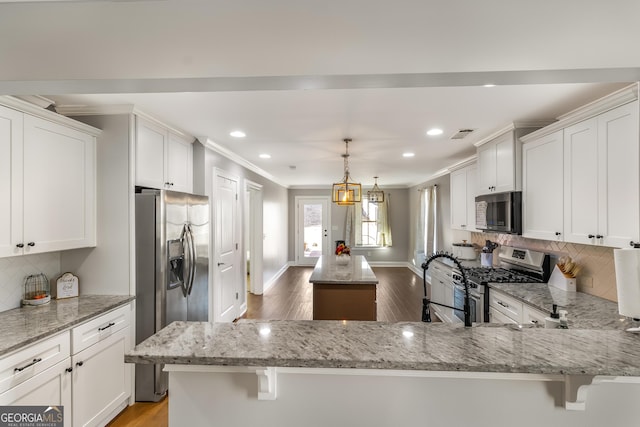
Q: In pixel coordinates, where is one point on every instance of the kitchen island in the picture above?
(317, 373)
(344, 291)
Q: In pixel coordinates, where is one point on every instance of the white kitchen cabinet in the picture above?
(542, 188)
(504, 308)
(532, 316)
(441, 290)
(602, 178)
(48, 183)
(497, 165)
(463, 194)
(496, 316)
(98, 348)
(164, 159)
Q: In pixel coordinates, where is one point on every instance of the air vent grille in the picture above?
(462, 133)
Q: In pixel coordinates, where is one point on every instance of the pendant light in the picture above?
(346, 192)
(376, 195)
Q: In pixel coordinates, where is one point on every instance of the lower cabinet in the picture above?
(87, 377)
(504, 308)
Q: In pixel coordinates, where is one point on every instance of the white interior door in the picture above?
(227, 284)
(312, 229)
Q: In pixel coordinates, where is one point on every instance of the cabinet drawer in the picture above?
(506, 305)
(532, 316)
(24, 364)
(496, 317)
(99, 328)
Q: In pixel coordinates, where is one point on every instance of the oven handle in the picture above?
(472, 294)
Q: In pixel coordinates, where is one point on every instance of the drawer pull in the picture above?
(106, 327)
(39, 359)
(69, 369)
(503, 304)
(80, 363)
(535, 322)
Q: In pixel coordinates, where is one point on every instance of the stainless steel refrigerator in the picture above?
(172, 271)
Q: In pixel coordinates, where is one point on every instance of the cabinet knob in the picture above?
(69, 369)
(80, 363)
(32, 244)
(558, 233)
(591, 236)
(20, 245)
(599, 236)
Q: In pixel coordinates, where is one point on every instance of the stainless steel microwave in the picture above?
(500, 212)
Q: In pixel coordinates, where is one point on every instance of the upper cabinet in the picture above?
(463, 194)
(48, 182)
(164, 159)
(582, 175)
(500, 160)
(542, 195)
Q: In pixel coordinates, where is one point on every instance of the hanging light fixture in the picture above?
(376, 195)
(346, 192)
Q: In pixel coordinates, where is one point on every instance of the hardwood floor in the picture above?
(399, 296)
(399, 299)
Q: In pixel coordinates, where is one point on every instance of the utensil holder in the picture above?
(486, 259)
(560, 281)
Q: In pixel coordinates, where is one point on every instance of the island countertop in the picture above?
(398, 346)
(357, 271)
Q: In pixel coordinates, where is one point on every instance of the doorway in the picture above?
(253, 237)
(312, 229)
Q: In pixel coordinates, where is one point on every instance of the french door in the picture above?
(312, 229)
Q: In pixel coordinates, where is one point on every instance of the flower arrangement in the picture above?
(343, 249)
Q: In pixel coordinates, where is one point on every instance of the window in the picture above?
(369, 223)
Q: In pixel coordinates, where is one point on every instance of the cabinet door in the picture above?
(151, 143)
(58, 186)
(101, 380)
(179, 164)
(10, 182)
(543, 187)
(50, 387)
(619, 176)
(581, 182)
(472, 191)
(496, 317)
(531, 316)
(486, 168)
(459, 199)
(505, 163)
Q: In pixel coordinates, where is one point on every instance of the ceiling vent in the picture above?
(462, 133)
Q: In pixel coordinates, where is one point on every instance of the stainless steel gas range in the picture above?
(515, 266)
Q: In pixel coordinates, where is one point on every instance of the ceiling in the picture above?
(299, 76)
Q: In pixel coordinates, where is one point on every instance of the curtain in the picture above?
(384, 239)
(428, 227)
(352, 227)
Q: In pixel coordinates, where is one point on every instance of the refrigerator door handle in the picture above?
(193, 258)
(186, 268)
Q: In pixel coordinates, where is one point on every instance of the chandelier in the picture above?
(375, 195)
(346, 192)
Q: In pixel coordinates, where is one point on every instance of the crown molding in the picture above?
(592, 109)
(35, 110)
(217, 148)
(513, 126)
(463, 163)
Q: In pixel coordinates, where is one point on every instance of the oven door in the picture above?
(475, 304)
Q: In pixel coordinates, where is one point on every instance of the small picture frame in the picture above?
(66, 286)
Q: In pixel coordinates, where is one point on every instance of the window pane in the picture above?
(312, 230)
(369, 223)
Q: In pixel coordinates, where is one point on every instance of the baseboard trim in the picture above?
(275, 277)
(388, 263)
(415, 269)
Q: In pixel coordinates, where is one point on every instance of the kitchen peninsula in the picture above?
(343, 290)
(318, 373)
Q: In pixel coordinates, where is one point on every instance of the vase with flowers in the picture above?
(343, 253)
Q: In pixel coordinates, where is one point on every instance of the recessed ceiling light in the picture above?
(238, 134)
(408, 154)
(265, 156)
(434, 132)
(489, 85)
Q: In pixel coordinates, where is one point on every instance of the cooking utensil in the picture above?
(465, 250)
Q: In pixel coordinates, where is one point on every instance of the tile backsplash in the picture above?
(597, 275)
(13, 271)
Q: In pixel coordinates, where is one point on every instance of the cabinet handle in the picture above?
(69, 369)
(106, 327)
(80, 363)
(634, 244)
(167, 183)
(599, 236)
(32, 244)
(558, 233)
(39, 359)
(20, 245)
(591, 236)
(535, 322)
(503, 304)
(463, 226)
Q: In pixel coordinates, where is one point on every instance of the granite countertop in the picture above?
(25, 325)
(584, 311)
(402, 346)
(356, 272)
